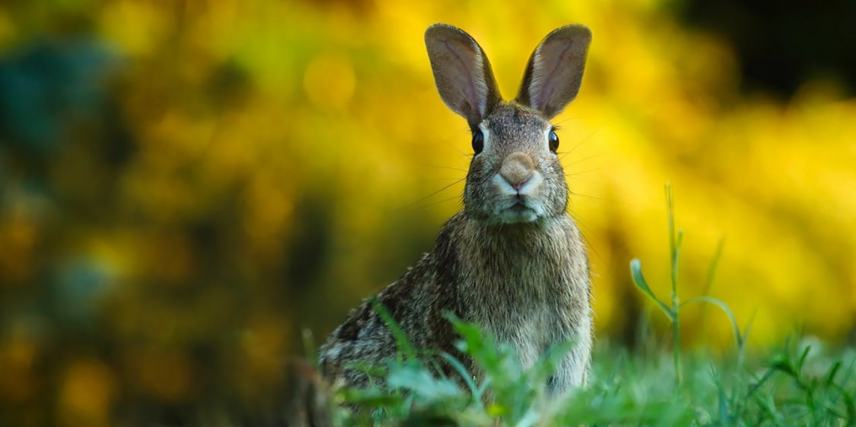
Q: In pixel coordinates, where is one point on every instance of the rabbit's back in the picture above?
(417, 303)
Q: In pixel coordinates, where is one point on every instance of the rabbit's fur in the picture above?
(512, 261)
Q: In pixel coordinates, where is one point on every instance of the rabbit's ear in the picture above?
(462, 72)
(555, 70)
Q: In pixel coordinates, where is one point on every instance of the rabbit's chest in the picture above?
(530, 315)
(531, 333)
(527, 290)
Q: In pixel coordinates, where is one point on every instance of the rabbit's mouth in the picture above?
(518, 211)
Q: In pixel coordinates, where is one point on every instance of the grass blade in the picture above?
(401, 339)
(642, 284)
(735, 329)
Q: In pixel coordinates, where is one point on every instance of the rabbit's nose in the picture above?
(516, 169)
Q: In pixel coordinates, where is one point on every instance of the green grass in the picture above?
(800, 383)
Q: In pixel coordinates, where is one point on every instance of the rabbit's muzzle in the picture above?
(517, 169)
(517, 184)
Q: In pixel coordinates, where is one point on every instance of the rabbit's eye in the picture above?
(478, 141)
(553, 140)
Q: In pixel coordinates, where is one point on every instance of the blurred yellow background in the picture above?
(185, 185)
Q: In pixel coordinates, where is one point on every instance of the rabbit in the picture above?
(512, 261)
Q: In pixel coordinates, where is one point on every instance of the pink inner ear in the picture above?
(464, 73)
(547, 74)
(555, 70)
(461, 72)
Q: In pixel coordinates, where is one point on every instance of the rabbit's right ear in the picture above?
(462, 72)
(555, 70)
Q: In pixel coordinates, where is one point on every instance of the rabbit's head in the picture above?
(515, 175)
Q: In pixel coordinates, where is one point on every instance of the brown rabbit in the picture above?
(512, 261)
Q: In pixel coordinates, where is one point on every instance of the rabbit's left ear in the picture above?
(555, 70)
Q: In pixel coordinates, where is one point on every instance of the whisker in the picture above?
(442, 167)
(580, 172)
(584, 159)
(459, 198)
(423, 199)
(574, 193)
(579, 144)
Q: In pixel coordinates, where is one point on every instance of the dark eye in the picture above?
(478, 141)
(553, 139)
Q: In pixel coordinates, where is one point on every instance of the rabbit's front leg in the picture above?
(573, 370)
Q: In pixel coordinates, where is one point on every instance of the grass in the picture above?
(802, 382)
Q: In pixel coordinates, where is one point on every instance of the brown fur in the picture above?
(512, 261)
